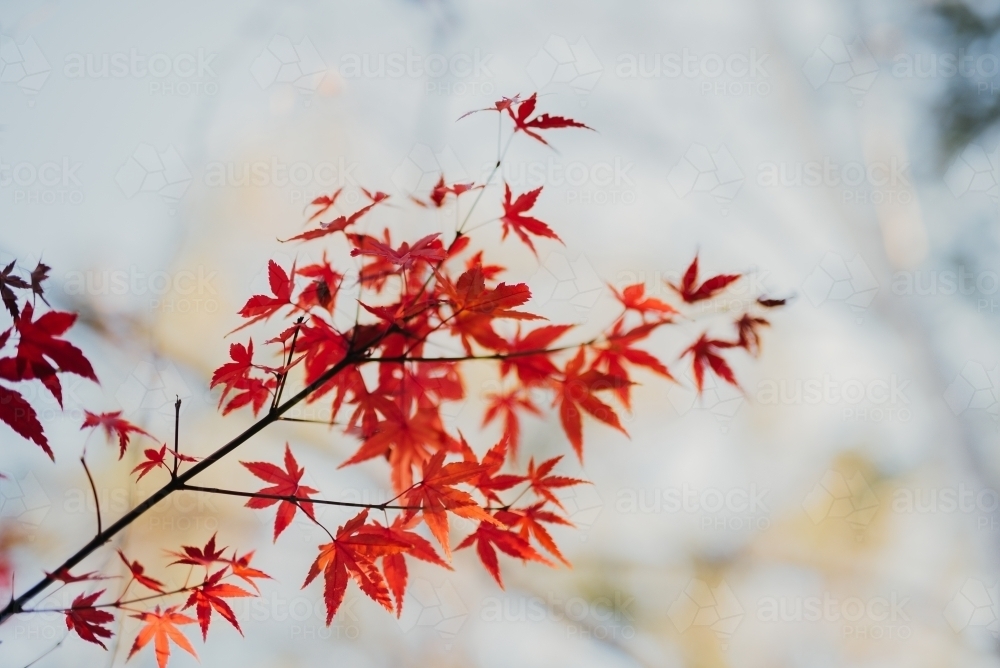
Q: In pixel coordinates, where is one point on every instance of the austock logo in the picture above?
(733, 509)
(151, 170)
(559, 62)
(847, 499)
(875, 618)
(420, 170)
(282, 62)
(730, 74)
(704, 606)
(835, 279)
(53, 182)
(975, 170)
(601, 617)
(151, 390)
(975, 607)
(870, 400)
(565, 289)
(181, 74)
(834, 62)
(705, 171)
(24, 65)
(717, 397)
(23, 499)
(975, 388)
(433, 607)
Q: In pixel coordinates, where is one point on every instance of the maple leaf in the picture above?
(10, 280)
(88, 621)
(161, 628)
(489, 480)
(427, 249)
(507, 404)
(197, 556)
(532, 369)
(487, 536)
(691, 293)
(241, 568)
(529, 521)
(350, 554)
(210, 596)
(322, 291)
(619, 350)
(501, 105)
(633, 298)
(40, 353)
(38, 274)
(340, 223)
(541, 122)
(325, 203)
(705, 351)
(16, 412)
(158, 459)
(112, 423)
(470, 294)
(542, 483)
(394, 566)
(435, 495)
(139, 574)
(283, 483)
(262, 307)
(441, 190)
(64, 575)
(576, 391)
(235, 375)
(407, 441)
(514, 219)
(749, 336)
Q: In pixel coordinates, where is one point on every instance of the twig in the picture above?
(93, 488)
(177, 430)
(291, 498)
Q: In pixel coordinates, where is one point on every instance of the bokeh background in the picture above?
(841, 511)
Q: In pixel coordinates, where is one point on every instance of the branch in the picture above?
(16, 605)
(298, 499)
(93, 488)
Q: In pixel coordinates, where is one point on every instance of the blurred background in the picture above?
(841, 511)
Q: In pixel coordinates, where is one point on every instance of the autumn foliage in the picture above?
(423, 311)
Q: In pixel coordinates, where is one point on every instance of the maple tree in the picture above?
(426, 309)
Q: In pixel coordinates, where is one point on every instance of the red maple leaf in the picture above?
(507, 404)
(158, 459)
(161, 628)
(747, 327)
(112, 423)
(441, 190)
(532, 369)
(542, 483)
(235, 375)
(426, 249)
(541, 122)
(9, 280)
(41, 354)
(139, 574)
(241, 568)
(705, 351)
(351, 554)
(529, 521)
(576, 392)
(283, 483)
(341, 222)
(514, 219)
(691, 293)
(262, 307)
(394, 565)
(88, 621)
(210, 596)
(489, 480)
(633, 298)
(200, 556)
(488, 535)
(17, 413)
(618, 350)
(436, 495)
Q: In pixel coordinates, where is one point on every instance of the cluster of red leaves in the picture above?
(40, 353)
(386, 382)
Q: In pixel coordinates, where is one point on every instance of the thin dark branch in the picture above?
(177, 430)
(497, 356)
(93, 488)
(297, 499)
(47, 652)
